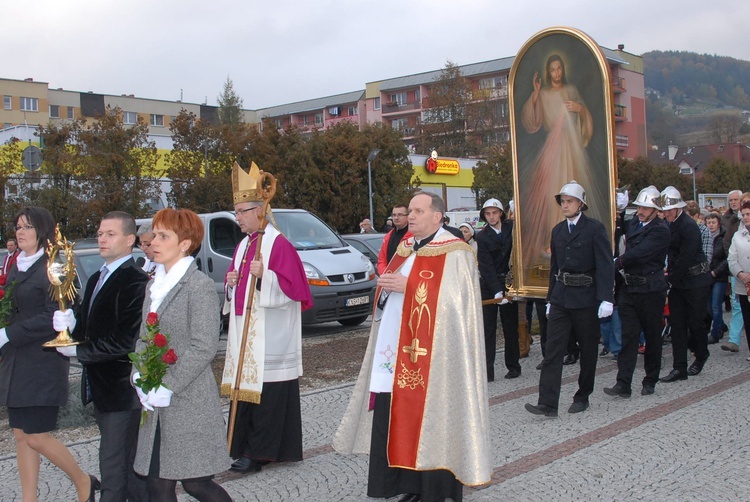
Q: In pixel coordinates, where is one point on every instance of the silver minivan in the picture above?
(342, 280)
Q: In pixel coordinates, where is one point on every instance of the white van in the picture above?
(341, 279)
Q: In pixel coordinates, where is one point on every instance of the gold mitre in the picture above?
(246, 186)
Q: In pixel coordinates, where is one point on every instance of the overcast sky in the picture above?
(281, 51)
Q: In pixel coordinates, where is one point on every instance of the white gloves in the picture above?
(64, 320)
(605, 309)
(546, 311)
(143, 398)
(160, 397)
(68, 351)
(498, 295)
(3, 337)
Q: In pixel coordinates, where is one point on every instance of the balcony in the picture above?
(621, 113)
(618, 85)
(490, 94)
(400, 108)
(338, 120)
(621, 141)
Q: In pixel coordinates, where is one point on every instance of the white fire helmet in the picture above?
(671, 199)
(648, 197)
(490, 203)
(573, 189)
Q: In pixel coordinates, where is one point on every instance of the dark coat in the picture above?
(645, 255)
(588, 250)
(31, 375)
(493, 255)
(685, 251)
(111, 329)
(730, 221)
(719, 265)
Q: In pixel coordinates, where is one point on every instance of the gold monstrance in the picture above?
(61, 271)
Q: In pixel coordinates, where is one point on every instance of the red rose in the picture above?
(2, 293)
(160, 340)
(170, 357)
(152, 318)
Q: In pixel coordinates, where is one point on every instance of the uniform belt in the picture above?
(698, 269)
(634, 280)
(575, 280)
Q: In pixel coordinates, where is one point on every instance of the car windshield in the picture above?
(375, 242)
(306, 231)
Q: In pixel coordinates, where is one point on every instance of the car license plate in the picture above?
(361, 300)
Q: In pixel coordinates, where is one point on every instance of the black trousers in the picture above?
(119, 436)
(687, 309)
(384, 481)
(541, 315)
(562, 324)
(640, 312)
(509, 321)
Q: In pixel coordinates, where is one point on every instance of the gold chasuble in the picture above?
(439, 407)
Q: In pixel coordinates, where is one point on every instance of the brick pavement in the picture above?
(689, 441)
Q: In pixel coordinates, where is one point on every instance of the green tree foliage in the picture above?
(722, 177)
(230, 105)
(494, 177)
(10, 163)
(639, 173)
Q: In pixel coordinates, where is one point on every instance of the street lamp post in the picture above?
(373, 153)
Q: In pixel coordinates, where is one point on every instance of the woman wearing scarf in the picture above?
(739, 263)
(468, 231)
(182, 439)
(34, 397)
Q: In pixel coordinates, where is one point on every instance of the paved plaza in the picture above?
(689, 441)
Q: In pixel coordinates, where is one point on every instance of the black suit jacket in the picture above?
(685, 251)
(111, 328)
(31, 375)
(645, 254)
(493, 255)
(588, 250)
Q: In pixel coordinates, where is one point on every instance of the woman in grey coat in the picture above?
(183, 438)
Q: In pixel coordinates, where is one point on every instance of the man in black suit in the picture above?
(108, 322)
(494, 245)
(689, 276)
(642, 293)
(582, 278)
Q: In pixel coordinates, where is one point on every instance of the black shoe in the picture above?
(618, 390)
(673, 376)
(604, 351)
(540, 365)
(712, 340)
(696, 368)
(515, 373)
(410, 497)
(244, 464)
(541, 409)
(95, 485)
(570, 359)
(647, 389)
(724, 329)
(578, 407)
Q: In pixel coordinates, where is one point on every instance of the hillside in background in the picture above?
(696, 98)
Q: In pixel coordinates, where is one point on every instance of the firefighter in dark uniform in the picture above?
(642, 293)
(689, 276)
(582, 278)
(494, 245)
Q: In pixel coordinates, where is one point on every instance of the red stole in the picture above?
(415, 343)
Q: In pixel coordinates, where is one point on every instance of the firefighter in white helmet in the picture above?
(689, 276)
(580, 291)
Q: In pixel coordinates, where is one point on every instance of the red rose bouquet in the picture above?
(154, 359)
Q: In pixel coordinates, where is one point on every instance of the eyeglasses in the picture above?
(398, 215)
(243, 211)
(24, 227)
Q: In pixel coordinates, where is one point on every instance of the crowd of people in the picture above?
(433, 336)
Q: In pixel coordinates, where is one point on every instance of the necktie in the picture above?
(103, 272)
(571, 227)
(640, 226)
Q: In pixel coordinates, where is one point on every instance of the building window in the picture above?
(71, 113)
(7, 103)
(318, 118)
(54, 111)
(417, 95)
(279, 123)
(377, 104)
(398, 98)
(132, 118)
(157, 120)
(30, 104)
(353, 111)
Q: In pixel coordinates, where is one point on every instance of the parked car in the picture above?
(341, 279)
(367, 244)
